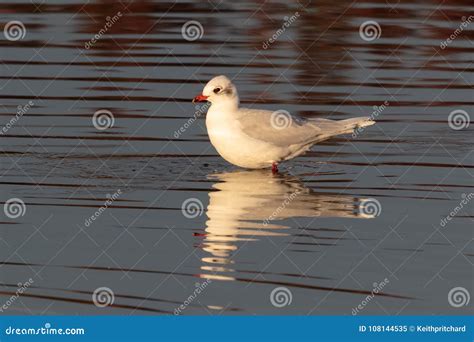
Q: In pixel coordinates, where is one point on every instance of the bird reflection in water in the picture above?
(245, 206)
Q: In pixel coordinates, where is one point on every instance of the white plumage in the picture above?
(258, 139)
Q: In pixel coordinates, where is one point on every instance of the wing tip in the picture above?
(367, 122)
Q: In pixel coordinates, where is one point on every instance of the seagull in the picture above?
(258, 139)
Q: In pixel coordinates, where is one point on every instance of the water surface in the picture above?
(252, 231)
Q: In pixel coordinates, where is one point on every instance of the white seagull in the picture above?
(257, 139)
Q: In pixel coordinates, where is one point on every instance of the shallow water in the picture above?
(307, 229)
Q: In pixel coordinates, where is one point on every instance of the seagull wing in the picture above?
(283, 129)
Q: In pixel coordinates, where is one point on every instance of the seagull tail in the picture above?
(332, 127)
(353, 124)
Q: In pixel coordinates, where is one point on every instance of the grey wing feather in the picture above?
(292, 130)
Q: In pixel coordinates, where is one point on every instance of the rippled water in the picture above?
(306, 229)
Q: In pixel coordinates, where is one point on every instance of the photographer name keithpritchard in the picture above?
(442, 328)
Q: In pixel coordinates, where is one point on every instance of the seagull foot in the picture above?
(274, 168)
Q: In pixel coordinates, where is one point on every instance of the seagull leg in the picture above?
(274, 168)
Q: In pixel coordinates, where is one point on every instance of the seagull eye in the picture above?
(217, 90)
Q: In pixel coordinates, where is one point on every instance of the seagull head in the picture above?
(219, 90)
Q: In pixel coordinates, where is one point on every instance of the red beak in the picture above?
(200, 98)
